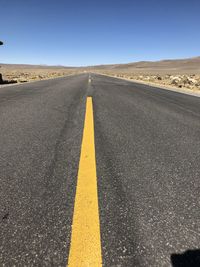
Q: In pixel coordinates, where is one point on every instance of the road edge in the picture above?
(162, 87)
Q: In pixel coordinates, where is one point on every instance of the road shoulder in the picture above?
(164, 87)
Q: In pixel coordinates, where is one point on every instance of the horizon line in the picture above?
(97, 65)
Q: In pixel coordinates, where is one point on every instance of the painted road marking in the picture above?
(85, 250)
(89, 79)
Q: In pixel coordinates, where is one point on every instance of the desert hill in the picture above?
(187, 65)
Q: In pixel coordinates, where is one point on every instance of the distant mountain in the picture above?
(175, 63)
(188, 64)
(29, 66)
(170, 65)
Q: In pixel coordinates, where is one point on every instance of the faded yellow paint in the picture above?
(85, 250)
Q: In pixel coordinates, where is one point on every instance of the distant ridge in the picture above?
(29, 66)
(166, 65)
(188, 65)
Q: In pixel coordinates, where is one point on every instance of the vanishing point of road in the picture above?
(97, 171)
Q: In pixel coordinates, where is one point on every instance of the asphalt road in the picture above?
(148, 167)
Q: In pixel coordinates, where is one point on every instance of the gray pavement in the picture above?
(148, 167)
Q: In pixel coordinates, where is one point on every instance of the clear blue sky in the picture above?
(86, 32)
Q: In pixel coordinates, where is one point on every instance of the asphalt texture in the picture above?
(148, 167)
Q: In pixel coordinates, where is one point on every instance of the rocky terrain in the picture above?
(185, 81)
(181, 73)
(27, 73)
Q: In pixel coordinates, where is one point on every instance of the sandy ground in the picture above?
(22, 75)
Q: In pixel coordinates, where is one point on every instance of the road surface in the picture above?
(146, 188)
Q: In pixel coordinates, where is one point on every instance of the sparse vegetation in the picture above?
(191, 81)
(183, 73)
(23, 73)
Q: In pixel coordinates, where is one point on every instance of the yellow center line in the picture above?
(85, 247)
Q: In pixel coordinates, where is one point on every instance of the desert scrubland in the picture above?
(29, 73)
(182, 73)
